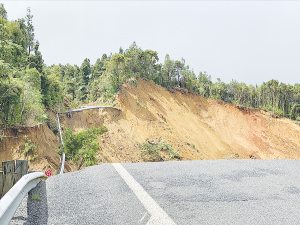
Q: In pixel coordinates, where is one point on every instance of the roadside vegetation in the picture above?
(30, 149)
(81, 148)
(155, 151)
(28, 87)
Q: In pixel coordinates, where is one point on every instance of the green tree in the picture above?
(3, 13)
(36, 60)
(178, 66)
(85, 70)
(30, 31)
(168, 71)
(117, 62)
(204, 84)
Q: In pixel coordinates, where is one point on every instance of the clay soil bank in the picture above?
(196, 127)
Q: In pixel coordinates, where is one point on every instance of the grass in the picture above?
(192, 146)
(154, 151)
(36, 197)
(32, 159)
(141, 103)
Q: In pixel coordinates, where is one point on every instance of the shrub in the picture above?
(82, 147)
(36, 197)
(151, 151)
(33, 158)
(28, 147)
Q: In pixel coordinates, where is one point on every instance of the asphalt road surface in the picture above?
(187, 192)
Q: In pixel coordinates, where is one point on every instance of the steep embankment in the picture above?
(217, 130)
(13, 143)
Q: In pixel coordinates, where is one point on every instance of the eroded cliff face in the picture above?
(196, 127)
(13, 142)
(218, 130)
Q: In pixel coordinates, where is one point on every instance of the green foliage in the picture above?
(192, 146)
(3, 13)
(82, 147)
(133, 81)
(51, 87)
(151, 151)
(169, 129)
(141, 103)
(21, 73)
(28, 146)
(52, 123)
(36, 197)
(32, 159)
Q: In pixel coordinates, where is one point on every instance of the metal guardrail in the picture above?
(13, 198)
(62, 164)
(63, 157)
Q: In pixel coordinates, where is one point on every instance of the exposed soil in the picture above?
(196, 127)
(13, 143)
(218, 130)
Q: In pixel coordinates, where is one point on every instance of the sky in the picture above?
(247, 41)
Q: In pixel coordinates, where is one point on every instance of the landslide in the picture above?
(13, 143)
(196, 127)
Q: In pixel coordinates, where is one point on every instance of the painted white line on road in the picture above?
(158, 215)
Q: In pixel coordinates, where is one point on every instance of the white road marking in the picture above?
(158, 215)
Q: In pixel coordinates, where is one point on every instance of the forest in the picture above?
(28, 87)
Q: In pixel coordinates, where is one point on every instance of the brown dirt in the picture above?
(13, 144)
(218, 130)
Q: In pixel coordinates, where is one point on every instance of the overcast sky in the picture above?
(250, 41)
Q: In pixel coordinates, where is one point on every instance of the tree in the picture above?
(3, 13)
(30, 31)
(168, 71)
(204, 84)
(36, 60)
(178, 66)
(85, 70)
(117, 61)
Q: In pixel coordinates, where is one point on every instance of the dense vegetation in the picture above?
(81, 148)
(28, 86)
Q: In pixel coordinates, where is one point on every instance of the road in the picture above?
(186, 192)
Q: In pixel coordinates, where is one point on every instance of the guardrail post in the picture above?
(1, 183)
(21, 167)
(13, 170)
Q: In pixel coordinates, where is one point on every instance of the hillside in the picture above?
(218, 130)
(196, 127)
(13, 143)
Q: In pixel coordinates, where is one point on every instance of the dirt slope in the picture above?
(218, 130)
(13, 143)
(196, 127)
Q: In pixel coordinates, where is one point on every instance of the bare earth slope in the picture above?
(218, 130)
(196, 127)
(13, 143)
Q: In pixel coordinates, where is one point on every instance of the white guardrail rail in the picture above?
(13, 198)
(63, 157)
